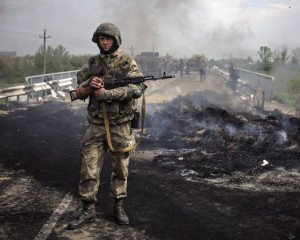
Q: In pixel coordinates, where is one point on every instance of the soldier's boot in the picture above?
(87, 215)
(119, 213)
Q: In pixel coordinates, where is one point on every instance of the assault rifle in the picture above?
(84, 92)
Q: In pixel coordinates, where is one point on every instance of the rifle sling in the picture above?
(107, 130)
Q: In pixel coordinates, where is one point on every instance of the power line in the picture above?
(69, 38)
(18, 32)
(12, 24)
(61, 37)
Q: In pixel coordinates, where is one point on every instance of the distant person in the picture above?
(258, 98)
(187, 69)
(117, 106)
(234, 75)
(202, 69)
(181, 67)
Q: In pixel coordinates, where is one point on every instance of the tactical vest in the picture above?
(111, 66)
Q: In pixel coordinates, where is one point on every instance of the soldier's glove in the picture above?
(102, 94)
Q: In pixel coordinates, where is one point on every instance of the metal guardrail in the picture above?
(40, 86)
(252, 84)
(38, 90)
(255, 86)
(50, 77)
(258, 81)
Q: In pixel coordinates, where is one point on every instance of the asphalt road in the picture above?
(180, 187)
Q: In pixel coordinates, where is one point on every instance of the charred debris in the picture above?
(212, 139)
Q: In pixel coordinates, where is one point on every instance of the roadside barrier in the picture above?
(38, 90)
(255, 87)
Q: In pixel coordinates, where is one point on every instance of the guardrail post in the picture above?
(297, 109)
(6, 101)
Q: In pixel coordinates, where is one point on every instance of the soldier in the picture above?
(234, 75)
(180, 67)
(117, 106)
(202, 69)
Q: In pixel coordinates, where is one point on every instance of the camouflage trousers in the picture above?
(93, 150)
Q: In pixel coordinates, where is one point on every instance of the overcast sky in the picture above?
(180, 28)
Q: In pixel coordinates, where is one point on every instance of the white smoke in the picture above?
(180, 28)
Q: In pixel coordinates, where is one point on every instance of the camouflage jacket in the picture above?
(121, 101)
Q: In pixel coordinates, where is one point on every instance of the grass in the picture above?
(285, 98)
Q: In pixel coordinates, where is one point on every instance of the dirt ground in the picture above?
(209, 167)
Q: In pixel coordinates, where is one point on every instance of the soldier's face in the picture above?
(106, 42)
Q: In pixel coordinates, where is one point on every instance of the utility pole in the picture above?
(44, 48)
(131, 51)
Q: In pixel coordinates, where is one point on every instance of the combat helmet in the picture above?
(108, 29)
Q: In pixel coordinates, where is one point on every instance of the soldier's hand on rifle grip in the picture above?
(99, 93)
(96, 82)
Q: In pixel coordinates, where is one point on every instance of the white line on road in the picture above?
(50, 224)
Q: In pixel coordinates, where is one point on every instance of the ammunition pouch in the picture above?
(135, 122)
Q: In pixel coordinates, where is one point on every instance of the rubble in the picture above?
(224, 141)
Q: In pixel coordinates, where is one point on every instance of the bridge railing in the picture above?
(257, 80)
(50, 77)
(255, 87)
(40, 86)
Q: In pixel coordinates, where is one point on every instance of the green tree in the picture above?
(57, 59)
(284, 54)
(39, 60)
(265, 55)
(29, 66)
(295, 59)
(6, 69)
(281, 57)
(250, 60)
(11, 70)
(78, 61)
